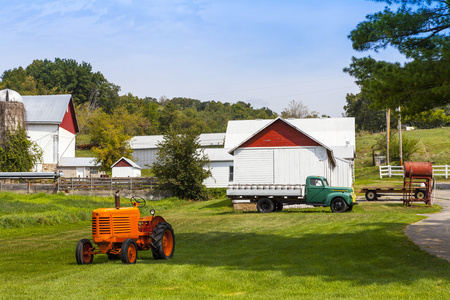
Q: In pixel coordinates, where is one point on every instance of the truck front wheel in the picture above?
(265, 205)
(338, 205)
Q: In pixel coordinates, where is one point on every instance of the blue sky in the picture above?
(263, 52)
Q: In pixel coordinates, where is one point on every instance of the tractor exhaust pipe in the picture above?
(117, 200)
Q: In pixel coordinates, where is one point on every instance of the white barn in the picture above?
(287, 151)
(145, 147)
(125, 167)
(52, 124)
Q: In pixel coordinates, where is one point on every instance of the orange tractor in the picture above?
(120, 232)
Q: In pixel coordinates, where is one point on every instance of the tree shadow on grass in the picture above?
(373, 256)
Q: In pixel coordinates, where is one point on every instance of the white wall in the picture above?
(44, 136)
(220, 174)
(66, 143)
(126, 172)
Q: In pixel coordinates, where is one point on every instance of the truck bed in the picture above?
(265, 190)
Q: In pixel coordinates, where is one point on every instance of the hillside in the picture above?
(434, 146)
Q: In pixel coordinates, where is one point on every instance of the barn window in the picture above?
(231, 176)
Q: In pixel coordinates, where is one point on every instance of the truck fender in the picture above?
(346, 196)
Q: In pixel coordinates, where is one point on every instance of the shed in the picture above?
(52, 124)
(79, 167)
(125, 167)
(277, 151)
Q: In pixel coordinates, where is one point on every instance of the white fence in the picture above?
(390, 171)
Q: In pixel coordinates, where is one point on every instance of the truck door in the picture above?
(316, 190)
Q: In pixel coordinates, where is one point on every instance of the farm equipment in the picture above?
(120, 232)
(417, 173)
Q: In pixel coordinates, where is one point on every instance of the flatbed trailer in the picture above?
(372, 193)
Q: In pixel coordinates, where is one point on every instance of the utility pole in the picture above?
(388, 133)
(400, 136)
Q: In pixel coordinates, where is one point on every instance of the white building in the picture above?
(145, 147)
(52, 124)
(287, 151)
(125, 167)
(79, 167)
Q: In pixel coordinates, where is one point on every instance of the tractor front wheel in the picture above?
(129, 251)
(163, 241)
(83, 252)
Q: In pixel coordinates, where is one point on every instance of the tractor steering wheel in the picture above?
(137, 200)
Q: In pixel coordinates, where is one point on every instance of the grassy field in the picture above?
(434, 145)
(293, 254)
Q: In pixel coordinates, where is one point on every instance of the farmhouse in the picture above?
(287, 151)
(52, 124)
(125, 167)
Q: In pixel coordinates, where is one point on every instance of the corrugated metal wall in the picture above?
(144, 157)
(342, 174)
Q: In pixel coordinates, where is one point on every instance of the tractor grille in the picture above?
(121, 224)
(102, 227)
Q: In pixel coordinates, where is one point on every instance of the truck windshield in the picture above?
(325, 182)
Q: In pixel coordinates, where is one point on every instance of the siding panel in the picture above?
(253, 165)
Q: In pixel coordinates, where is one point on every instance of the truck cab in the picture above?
(319, 193)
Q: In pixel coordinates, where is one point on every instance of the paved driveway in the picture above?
(433, 234)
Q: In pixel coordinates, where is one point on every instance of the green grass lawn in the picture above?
(219, 253)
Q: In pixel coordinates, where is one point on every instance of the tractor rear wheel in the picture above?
(129, 251)
(163, 241)
(83, 252)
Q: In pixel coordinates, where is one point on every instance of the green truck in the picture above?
(315, 192)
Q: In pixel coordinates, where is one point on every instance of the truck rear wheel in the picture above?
(129, 251)
(265, 205)
(338, 205)
(371, 195)
(278, 206)
(163, 241)
(83, 252)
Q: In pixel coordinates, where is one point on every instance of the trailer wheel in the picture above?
(338, 205)
(420, 194)
(371, 195)
(129, 251)
(83, 252)
(163, 241)
(265, 205)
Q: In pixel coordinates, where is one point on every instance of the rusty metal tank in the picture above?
(418, 168)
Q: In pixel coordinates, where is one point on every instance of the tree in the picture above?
(409, 147)
(366, 119)
(179, 165)
(112, 145)
(419, 30)
(17, 152)
(295, 109)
